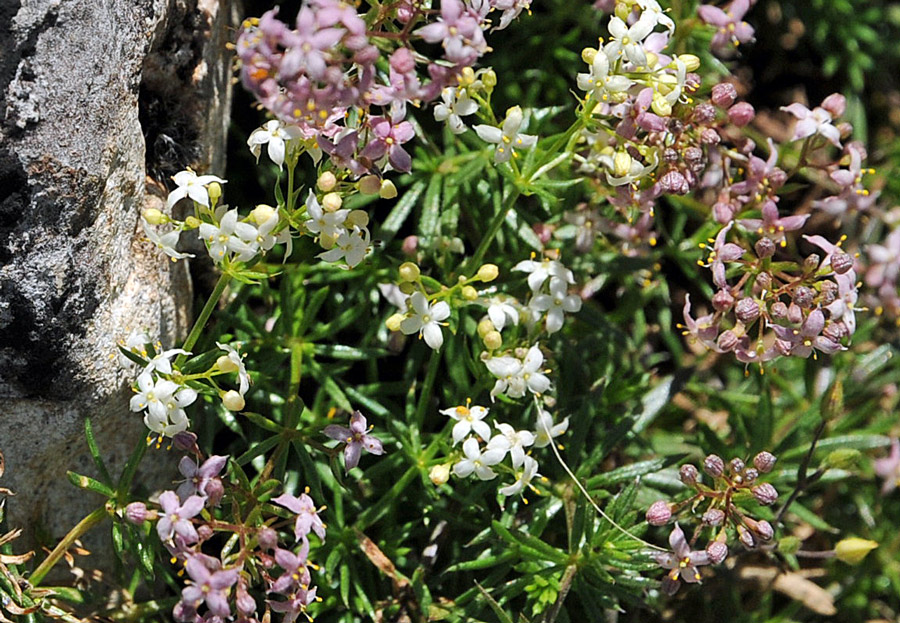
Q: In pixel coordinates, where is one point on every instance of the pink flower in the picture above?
(175, 518)
(889, 468)
(732, 31)
(815, 121)
(682, 562)
(208, 585)
(357, 438)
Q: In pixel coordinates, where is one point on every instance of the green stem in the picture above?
(205, 313)
(427, 389)
(493, 228)
(74, 534)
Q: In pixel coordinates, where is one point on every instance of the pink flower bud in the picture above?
(747, 310)
(713, 517)
(764, 530)
(674, 183)
(835, 103)
(736, 466)
(246, 605)
(410, 246)
(136, 513)
(723, 212)
(659, 513)
(703, 114)
(841, 263)
(267, 538)
(185, 441)
(402, 61)
(722, 300)
(214, 491)
(205, 532)
(803, 296)
(710, 137)
(795, 314)
(764, 248)
(765, 494)
(777, 178)
(763, 282)
(741, 114)
(764, 462)
(723, 95)
(750, 474)
(811, 263)
(544, 232)
(688, 474)
(714, 465)
(779, 311)
(728, 341)
(746, 537)
(717, 552)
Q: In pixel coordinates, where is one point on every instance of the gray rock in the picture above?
(83, 82)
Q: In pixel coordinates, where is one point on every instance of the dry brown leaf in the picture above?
(794, 586)
(380, 560)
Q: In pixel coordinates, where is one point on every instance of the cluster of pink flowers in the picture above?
(720, 515)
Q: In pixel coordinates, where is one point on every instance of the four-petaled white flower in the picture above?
(192, 185)
(652, 9)
(425, 319)
(351, 246)
(328, 226)
(555, 303)
(165, 242)
(231, 236)
(506, 137)
(236, 364)
(598, 81)
(476, 461)
(274, 134)
(164, 401)
(546, 430)
(512, 441)
(468, 419)
(539, 272)
(502, 311)
(456, 104)
(629, 40)
(515, 376)
(525, 475)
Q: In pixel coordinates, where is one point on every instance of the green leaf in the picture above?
(630, 472)
(431, 209)
(530, 544)
(95, 452)
(86, 482)
(501, 615)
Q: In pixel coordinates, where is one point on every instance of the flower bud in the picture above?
(357, 218)
(267, 538)
(728, 341)
(588, 55)
(387, 190)
(410, 245)
(803, 296)
(215, 191)
(764, 530)
(764, 462)
(763, 282)
(466, 77)
(688, 474)
(741, 114)
(713, 517)
(407, 287)
(722, 300)
(709, 136)
(393, 323)
(779, 311)
(369, 185)
(402, 61)
(331, 202)
(489, 80)
(409, 272)
(764, 248)
(841, 263)
(811, 263)
(835, 103)
(717, 552)
(750, 474)
(233, 401)
(659, 513)
(225, 364)
(485, 327)
(795, 314)
(660, 105)
(765, 494)
(205, 532)
(724, 95)
(262, 213)
(693, 155)
(214, 491)
(469, 293)
(192, 222)
(853, 550)
(789, 544)
(185, 441)
(746, 537)
(326, 182)
(691, 62)
(154, 216)
(488, 272)
(714, 465)
(246, 605)
(621, 164)
(747, 310)
(674, 183)
(845, 129)
(703, 114)
(493, 340)
(829, 292)
(136, 513)
(843, 458)
(439, 474)
(777, 178)
(736, 466)
(723, 212)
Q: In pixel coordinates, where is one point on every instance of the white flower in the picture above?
(164, 401)
(477, 462)
(601, 85)
(505, 369)
(236, 363)
(652, 9)
(503, 310)
(351, 246)
(425, 320)
(166, 242)
(532, 375)
(161, 361)
(506, 137)
(515, 377)
(276, 134)
(328, 226)
(557, 302)
(512, 441)
(540, 271)
(266, 219)
(468, 419)
(546, 430)
(525, 476)
(136, 342)
(456, 104)
(623, 169)
(192, 185)
(231, 236)
(628, 40)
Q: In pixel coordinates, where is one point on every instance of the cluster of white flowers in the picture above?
(553, 301)
(519, 373)
(235, 239)
(343, 233)
(162, 399)
(426, 319)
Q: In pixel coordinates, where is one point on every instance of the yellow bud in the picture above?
(215, 191)
(387, 190)
(588, 55)
(192, 222)
(485, 327)
(357, 218)
(393, 323)
(623, 11)
(853, 550)
(467, 76)
(409, 272)
(407, 287)
(225, 364)
(370, 185)
(652, 60)
(489, 80)
(469, 293)
(332, 202)
(691, 62)
(262, 213)
(439, 474)
(154, 216)
(621, 164)
(660, 105)
(232, 400)
(493, 340)
(326, 182)
(488, 272)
